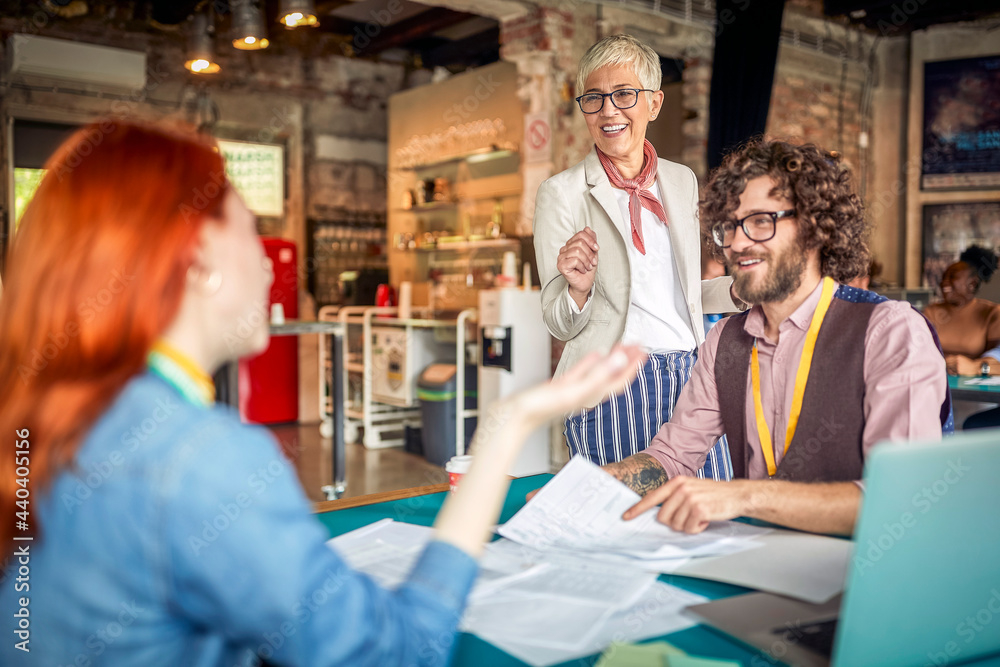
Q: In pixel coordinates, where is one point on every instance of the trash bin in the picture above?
(436, 389)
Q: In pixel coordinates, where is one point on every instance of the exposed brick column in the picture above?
(697, 81)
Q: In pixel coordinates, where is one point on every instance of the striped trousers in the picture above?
(625, 424)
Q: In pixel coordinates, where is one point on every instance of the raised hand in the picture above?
(466, 517)
(578, 264)
(592, 379)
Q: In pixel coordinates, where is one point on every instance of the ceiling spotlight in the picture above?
(293, 13)
(248, 25)
(201, 47)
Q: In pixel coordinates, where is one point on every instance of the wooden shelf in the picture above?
(435, 206)
(483, 155)
(459, 246)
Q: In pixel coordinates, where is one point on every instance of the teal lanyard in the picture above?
(173, 374)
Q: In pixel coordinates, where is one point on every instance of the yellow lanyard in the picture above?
(801, 377)
(182, 372)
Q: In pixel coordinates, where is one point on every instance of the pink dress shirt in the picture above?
(903, 370)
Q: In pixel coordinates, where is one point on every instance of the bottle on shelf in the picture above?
(496, 221)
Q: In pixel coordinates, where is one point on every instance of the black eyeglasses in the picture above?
(623, 98)
(757, 227)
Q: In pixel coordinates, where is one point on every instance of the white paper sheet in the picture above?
(554, 623)
(558, 601)
(581, 509)
(659, 611)
(799, 565)
(564, 575)
(989, 381)
(386, 550)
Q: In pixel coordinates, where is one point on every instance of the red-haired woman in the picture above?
(166, 532)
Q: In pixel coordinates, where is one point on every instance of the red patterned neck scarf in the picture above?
(639, 196)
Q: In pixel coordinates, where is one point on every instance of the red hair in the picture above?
(96, 274)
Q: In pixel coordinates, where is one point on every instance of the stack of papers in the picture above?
(581, 509)
(570, 606)
(386, 550)
(572, 577)
(543, 607)
(579, 512)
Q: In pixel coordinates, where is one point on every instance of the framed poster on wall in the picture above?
(961, 133)
(951, 228)
(257, 171)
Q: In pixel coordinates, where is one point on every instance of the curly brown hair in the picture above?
(830, 216)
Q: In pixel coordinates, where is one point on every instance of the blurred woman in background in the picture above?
(967, 326)
(165, 531)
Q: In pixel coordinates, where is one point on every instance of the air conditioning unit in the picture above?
(46, 60)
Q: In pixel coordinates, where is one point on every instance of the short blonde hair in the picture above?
(621, 50)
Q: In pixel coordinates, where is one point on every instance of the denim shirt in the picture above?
(182, 537)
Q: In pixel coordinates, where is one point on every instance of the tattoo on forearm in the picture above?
(641, 473)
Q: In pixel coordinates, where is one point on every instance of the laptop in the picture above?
(923, 585)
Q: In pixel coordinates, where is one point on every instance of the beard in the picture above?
(784, 275)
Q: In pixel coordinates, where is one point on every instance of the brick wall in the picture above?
(812, 105)
(328, 110)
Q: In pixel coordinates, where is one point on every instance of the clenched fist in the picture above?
(578, 264)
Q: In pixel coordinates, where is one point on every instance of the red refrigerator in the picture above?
(269, 382)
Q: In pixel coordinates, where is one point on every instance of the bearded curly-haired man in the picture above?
(809, 379)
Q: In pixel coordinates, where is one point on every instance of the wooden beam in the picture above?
(469, 51)
(421, 25)
(324, 7)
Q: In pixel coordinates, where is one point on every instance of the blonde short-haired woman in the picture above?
(618, 248)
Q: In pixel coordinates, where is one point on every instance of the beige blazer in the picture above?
(582, 196)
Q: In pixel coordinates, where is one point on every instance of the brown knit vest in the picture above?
(827, 446)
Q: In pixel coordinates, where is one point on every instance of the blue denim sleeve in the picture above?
(243, 557)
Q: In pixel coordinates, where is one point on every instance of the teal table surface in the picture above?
(962, 390)
(474, 652)
(471, 650)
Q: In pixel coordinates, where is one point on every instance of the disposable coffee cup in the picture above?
(456, 467)
(509, 265)
(277, 313)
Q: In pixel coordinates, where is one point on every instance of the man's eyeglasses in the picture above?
(623, 98)
(757, 227)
